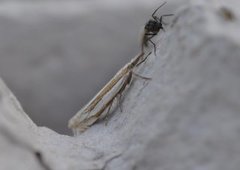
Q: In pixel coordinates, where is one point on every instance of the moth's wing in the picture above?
(93, 111)
(84, 118)
(80, 117)
(84, 125)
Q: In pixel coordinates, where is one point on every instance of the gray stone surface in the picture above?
(187, 117)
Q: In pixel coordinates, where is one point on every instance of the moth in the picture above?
(102, 102)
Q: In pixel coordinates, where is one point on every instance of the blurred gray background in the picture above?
(56, 55)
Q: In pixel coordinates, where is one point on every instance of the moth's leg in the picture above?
(142, 77)
(106, 119)
(142, 61)
(119, 102)
(146, 38)
(154, 45)
(127, 80)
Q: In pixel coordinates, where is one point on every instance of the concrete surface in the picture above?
(186, 117)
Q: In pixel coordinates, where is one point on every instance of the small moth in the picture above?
(102, 102)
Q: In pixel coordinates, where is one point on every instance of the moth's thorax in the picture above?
(153, 26)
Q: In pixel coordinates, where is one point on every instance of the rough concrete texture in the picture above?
(186, 117)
